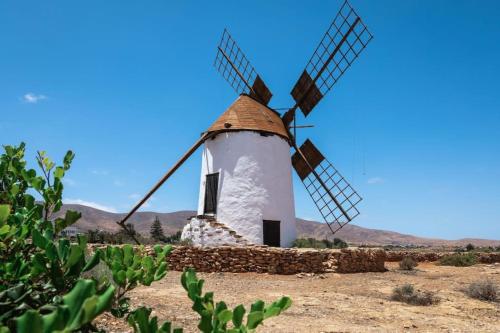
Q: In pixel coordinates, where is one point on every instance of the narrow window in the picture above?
(211, 188)
(271, 231)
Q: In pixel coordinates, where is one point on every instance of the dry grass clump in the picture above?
(407, 294)
(407, 264)
(485, 290)
(459, 260)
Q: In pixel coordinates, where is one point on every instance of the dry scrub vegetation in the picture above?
(341, 302)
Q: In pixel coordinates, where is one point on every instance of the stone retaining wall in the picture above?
(483, 257)
(276, 260)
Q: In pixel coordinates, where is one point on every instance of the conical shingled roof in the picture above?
(248, 114)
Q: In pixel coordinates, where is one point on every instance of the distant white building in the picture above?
(71, 232)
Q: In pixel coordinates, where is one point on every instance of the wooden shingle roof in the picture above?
(248, 114)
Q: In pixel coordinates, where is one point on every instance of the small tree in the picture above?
(470, 247)
(156, 230)
(339, 243)
(408, 264)
(173, 239)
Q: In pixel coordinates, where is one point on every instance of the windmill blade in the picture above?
(232, 64)
(332, 194)
(342, 43)
(167, 175)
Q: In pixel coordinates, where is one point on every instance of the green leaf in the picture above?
(38, 183)
(68, 158)
(238, 314)
(257, 306)
(28, 175)
(63, 247)
(75, 255)
(225, 316)
(14, 190)
(161, 271)
(70, 218)
(128, 254)
(38, 264)
(75, 298)
(166, 327)
(89, 308)
(148, 263)
(254, 319)
(29, 322)
(4, 230)
(38, 239)
(105, 299)
(51, 251)
(120, 277)
(4, 213)
(82, 241)
(59, 173)
(271, 312)
(9, 150)
(29, 201)
(92, 262)
(84, 305)
(283, 303)
(55, 321)
(139, 320)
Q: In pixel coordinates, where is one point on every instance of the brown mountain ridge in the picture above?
(93, 218)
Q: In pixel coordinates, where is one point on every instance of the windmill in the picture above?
(246, 188)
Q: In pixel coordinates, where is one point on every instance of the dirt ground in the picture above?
(337, 302)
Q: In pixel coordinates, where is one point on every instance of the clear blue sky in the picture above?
(129, 86)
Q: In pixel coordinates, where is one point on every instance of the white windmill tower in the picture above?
(246, 177)
(246, 193)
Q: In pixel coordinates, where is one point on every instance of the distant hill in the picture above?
(172, 222)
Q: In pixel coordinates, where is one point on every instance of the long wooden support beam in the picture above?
(163, 180)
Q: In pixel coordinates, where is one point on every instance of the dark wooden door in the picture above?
(271, 233)
(211, 189)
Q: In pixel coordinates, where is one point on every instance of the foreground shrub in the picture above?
(49, 284)
(459, 260)
(215, 317)
(408, 264)
(483, 290)
(407, 294)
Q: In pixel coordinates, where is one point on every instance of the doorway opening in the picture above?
(271, 231)
(211, 189)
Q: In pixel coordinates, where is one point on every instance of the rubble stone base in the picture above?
(206, 232)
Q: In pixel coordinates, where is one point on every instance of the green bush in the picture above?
(483, 290)
(407, 294)
(49, 284)
(469, 247)
(459, 260)
(174, 238)
(314, 243)
(215, 317)
(408, 264)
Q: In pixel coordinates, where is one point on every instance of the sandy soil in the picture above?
(337, 302)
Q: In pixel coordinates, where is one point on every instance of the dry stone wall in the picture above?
(482, 257)
(263, 259)
(276, 260)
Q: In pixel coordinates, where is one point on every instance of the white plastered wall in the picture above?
(255, 183)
